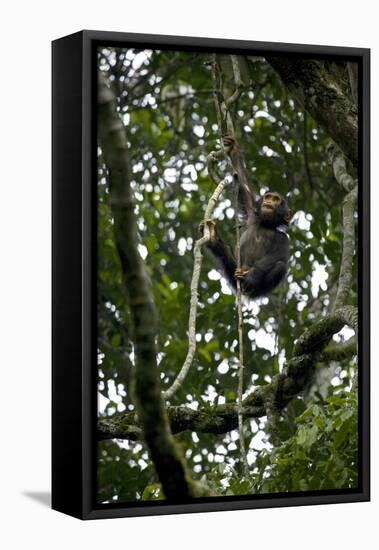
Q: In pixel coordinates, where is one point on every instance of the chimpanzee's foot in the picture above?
(240, 273)
(230, 144)
(212, 229)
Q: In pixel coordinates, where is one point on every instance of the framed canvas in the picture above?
(210, 275)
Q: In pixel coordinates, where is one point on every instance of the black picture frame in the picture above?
(74, 406)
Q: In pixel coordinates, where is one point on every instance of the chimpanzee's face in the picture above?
(271, 201)
(272, 210)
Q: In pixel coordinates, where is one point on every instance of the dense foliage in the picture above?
(166, 102)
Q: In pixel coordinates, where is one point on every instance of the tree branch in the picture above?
(274, 396)
(346, 269)
(348, 209)
(319, 93)
(170, 466)
(350, 315)
(338, 352)
(337, 160)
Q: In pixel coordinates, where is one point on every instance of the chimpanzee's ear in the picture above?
(288, 216)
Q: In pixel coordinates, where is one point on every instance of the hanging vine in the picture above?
(198, 258)
(222, 106)
(225, 124)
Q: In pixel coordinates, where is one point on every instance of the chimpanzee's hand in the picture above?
(230, 144)
(212, 229)
(241, 273)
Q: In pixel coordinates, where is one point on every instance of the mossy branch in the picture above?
(338, 352)
(275, 396)
(321, 95)
(170, 466)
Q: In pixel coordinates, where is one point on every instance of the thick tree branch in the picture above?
(170, 466)
(338, 352)
(319, 93)
(274, 396)
(348, 315)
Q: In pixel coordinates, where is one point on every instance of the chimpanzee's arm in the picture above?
(246, 195)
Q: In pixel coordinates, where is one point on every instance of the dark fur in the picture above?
(264, 247)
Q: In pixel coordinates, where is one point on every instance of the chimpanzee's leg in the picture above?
(274, 276)
(252, 283)
(224, 258)
(220, 251)
(259, 282)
